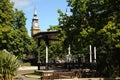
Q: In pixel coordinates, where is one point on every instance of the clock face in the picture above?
(36, 24)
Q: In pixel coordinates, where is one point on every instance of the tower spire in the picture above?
(66, 13)
(35, 14)
(35, 28)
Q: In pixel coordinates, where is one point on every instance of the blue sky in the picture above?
(46, 11)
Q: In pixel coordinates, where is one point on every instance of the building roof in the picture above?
(52, 35)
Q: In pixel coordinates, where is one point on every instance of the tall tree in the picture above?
(19, 39)
(13, 33)
(104, 18)
(6, 21)
(94, 22)
(55, 48)
(75, 27)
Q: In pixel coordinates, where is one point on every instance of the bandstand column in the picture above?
(90, 54)
(39, 58)
(95, 54)
(38, 41)
(46, 54)
(47, 44)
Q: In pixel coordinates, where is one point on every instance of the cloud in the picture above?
(22, 3)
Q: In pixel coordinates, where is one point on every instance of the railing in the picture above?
(79, 69)
(70, 65)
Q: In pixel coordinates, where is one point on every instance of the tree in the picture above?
(93, 22)
(6, 21)
(104, 18)
(13, 33)
(55, 50)
(75, 28)
(22, 44)
(8, 65)
(53, 27)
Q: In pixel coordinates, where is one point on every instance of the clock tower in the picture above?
(35, 25)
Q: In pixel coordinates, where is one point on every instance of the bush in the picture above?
(8, 65)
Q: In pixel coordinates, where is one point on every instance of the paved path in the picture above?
(25, 70)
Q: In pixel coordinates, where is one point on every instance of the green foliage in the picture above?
(6, 13)
(22, 44)
(94, 22)
(6, 21)
(52, 28)
(74, 28)
(42, 50)
(19, 20)
(8, 65)
(13, 33)
(55, 48)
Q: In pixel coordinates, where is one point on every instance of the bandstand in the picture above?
(69, 66)
(46, 36)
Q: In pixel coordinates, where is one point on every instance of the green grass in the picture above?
(33, 75)
(26, 64)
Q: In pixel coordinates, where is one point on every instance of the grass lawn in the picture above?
(33, 75)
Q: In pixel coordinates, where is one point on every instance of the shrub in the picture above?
(8, 65)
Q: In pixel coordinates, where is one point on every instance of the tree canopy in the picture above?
(96, 23)
(6, 21)
(13, 33)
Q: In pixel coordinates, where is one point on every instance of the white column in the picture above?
(95, 54)
(69, 50)
(46, 54)
(90, 54)
(69, 54)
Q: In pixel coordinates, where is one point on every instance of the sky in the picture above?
(46, 11)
